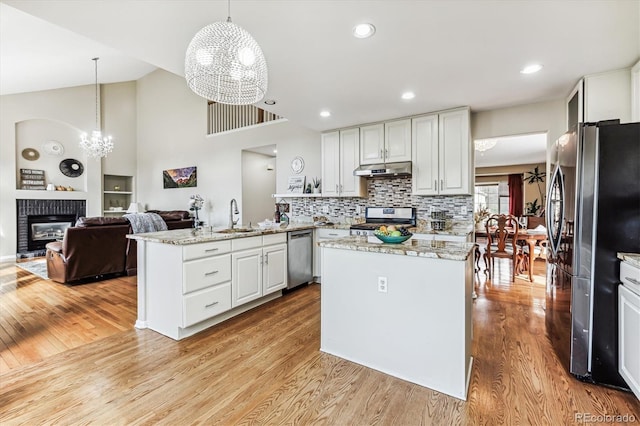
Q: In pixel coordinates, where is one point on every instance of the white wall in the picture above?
(172, 133)
(65, 113)
(258, 184)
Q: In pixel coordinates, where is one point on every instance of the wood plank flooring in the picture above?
(265, 367)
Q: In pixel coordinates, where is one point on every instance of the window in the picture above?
(489, 196)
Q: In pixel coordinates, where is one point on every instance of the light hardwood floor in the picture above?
(70, 355)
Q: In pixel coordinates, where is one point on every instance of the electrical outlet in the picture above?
(463, 210)
(382, 284)
(358, 209)
(325, 209)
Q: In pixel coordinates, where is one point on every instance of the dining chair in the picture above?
(502, 237)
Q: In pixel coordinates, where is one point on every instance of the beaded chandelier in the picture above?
(96, 146)
(225, 64)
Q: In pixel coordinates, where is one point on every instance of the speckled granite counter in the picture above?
(632, 258)
(191, 236)
(431, 249)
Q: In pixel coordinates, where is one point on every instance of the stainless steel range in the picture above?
(404, 217)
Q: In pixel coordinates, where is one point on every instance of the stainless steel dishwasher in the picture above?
(299, 257)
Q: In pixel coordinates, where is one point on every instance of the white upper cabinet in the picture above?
(425, 155)
(604, 96)
(372, 144)
(442, 154)
(397, 141)
(340, 157)
(386, 142)
(330, 146)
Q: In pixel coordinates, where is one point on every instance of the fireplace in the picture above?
(46, 228)
(34, 223)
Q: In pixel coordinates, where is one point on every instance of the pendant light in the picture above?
(225, 64)
(96, 146)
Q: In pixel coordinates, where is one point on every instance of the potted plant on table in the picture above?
(480, 216)
(316, 185)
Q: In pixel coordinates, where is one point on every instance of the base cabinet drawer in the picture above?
(206, 303)
(202, 273)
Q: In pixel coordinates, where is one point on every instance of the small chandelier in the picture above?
(484, 144)
(96, 146)
(225, 64)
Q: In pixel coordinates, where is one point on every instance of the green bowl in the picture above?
(393, 240)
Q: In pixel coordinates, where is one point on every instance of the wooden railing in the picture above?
(223, 117)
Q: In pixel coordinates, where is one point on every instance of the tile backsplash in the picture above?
(384, 191)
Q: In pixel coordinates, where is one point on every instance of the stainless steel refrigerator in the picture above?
(592, 212)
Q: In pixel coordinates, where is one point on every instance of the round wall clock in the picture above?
(30, 154)
(297, 165)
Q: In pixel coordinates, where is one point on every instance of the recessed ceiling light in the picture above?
(408, 95)
(270, 102)
(325, 113)
(530, 69)
(364, 30)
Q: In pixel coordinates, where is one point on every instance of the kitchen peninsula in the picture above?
(189, 280)
(403, 309)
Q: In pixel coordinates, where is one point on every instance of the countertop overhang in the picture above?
(419, 248)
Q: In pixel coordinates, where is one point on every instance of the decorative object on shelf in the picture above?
(30, 154)
(296, 185)
(71, 167)
(224, 63)
(32, 179)
(316, 185)
(308, 189)
(53, 148)
(135, 208)
(483, 145)
(196, 202)
(51, 187)
(116, 187)
(96, 146)
(297, 165)
(185, 177)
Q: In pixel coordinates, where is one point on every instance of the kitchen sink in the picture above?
(235, 230)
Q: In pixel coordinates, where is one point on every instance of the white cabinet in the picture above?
(629, 338)
(340, 157)
(323, 234)
(187, 288)
(259, 267)
(603, 96)
(385, 142)
(442, 154)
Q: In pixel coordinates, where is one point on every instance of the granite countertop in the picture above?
(632, 258)
(457, 229)
(191, 236)
(420, 248)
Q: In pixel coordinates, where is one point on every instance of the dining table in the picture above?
(530, 236)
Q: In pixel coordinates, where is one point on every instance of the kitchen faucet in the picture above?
(232, 222)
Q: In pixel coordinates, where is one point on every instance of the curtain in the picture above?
(515, 195)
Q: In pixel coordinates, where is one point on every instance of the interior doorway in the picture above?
(258, 183)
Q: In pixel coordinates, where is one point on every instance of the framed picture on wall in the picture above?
(296, 184)
(185, 177)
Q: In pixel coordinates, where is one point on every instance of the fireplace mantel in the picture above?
(50, 195)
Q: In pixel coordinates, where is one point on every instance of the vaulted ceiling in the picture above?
(449, 53)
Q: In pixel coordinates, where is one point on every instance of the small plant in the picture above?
(316, 182)
(533, 207)
(481, 215)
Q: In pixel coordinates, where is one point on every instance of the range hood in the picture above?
(387, 169)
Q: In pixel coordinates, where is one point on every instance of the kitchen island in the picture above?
(402, 309)
(189, 280)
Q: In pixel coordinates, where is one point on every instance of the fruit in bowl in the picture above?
(392, 235)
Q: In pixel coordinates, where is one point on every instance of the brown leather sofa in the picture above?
(98, 246)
